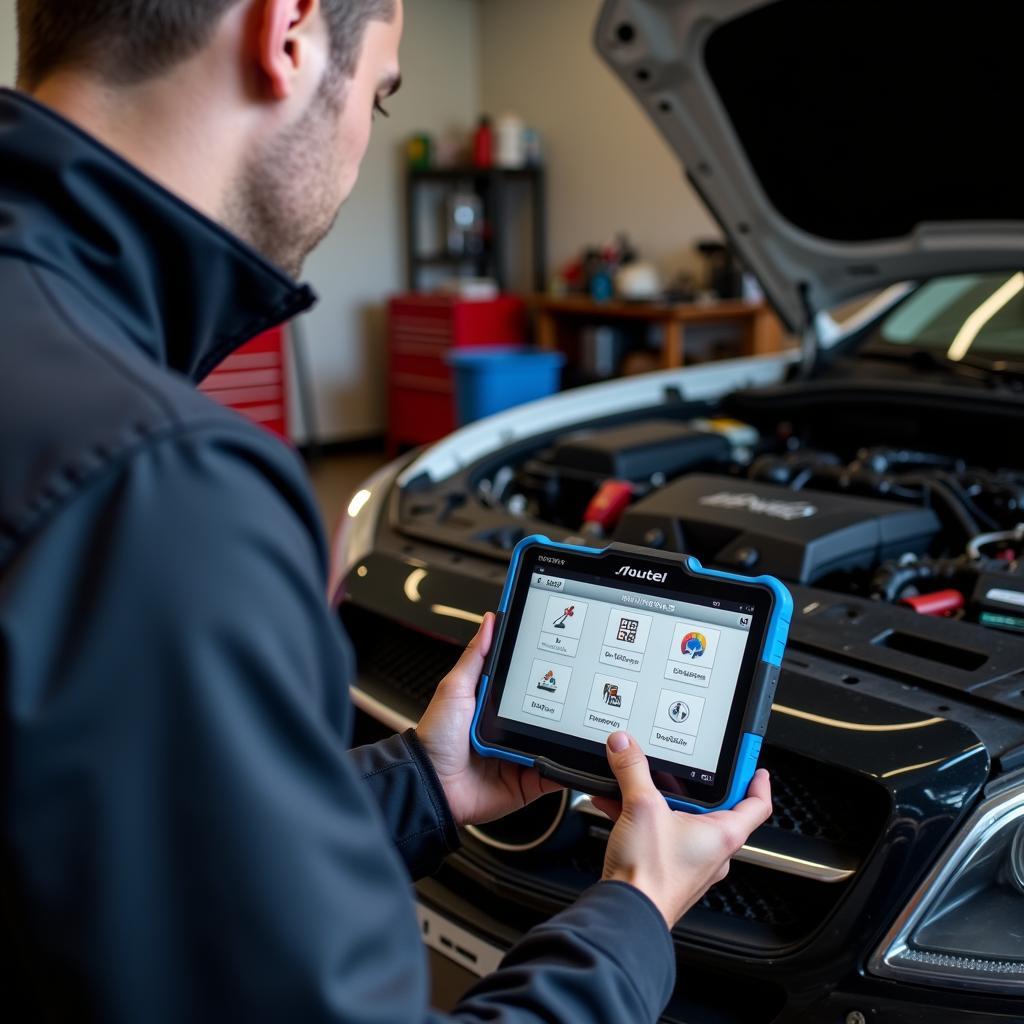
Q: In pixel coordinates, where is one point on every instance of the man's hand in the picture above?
(478, 788)
(670, 856)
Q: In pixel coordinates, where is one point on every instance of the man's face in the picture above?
(356, 99)
(289, 193)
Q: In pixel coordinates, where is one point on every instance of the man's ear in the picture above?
(285, 40)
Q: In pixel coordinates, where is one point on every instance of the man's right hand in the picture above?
(671, 856)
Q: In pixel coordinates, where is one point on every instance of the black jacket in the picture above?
(185, 836)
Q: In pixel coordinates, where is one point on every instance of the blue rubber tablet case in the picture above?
(545, 748)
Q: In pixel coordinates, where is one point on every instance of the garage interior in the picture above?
(465, 59)
(544, 216)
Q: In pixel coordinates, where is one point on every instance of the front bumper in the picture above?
(872, 777)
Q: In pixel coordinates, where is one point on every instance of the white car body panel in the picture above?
(706, 382)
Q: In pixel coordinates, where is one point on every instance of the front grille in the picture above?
(752, 906)
(818, 803)
(832, 813)
(805, 804)
(783, 906)
(750, 899)
(399, 659)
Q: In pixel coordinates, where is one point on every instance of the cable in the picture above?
(982, 540)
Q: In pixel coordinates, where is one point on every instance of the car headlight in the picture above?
(353, 540)
(964, 928)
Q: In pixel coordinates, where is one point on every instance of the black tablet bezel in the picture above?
(587, 756)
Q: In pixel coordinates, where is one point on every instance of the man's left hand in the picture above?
(478, 788)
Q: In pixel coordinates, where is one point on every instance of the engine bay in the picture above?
(894, 515)
(935, 534)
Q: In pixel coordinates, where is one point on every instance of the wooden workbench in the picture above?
(762, 331)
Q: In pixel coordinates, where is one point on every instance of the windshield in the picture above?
(969, 315)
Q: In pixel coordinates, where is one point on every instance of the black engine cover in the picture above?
(638, 450)
(754, 527)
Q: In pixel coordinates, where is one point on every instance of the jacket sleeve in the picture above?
(190, 837)
(608, 957)
(399, 773)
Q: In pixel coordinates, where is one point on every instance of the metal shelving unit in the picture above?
(495, 187)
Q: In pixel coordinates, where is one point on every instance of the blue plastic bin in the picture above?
(488, 380)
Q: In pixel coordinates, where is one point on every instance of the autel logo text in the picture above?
(642, 574)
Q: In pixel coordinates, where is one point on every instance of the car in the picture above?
(850, 152)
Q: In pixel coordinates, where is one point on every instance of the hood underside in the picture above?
(842, 146)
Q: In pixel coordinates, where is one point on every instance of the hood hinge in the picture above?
(809, 339)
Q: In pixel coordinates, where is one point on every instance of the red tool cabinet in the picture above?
(252, 381)
(422, 330)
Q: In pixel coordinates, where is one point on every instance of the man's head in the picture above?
(286, 91)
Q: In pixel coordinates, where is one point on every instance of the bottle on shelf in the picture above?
(510, 151)
(483, 143)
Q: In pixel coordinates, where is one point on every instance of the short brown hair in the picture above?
(128, 41)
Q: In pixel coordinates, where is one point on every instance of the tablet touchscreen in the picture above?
(592, 657)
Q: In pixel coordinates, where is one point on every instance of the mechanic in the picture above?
(185, 835)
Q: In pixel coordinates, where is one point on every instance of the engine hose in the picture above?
(882, 460)
(967, 522)
(871, 473)
(946, 497)
(787, 470)
(960, 491)
(1015, 535)
(892, 578)
(798, 482)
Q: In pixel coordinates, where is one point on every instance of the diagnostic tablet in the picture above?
(589, 641)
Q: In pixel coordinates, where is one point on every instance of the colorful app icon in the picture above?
(548, 682)
(611, 695)
(694, 644)
(559, 623)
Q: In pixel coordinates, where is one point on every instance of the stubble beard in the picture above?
(284, 202)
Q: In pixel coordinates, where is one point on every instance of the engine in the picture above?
(919, 529)
(755, 527)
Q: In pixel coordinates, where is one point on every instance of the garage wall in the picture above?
(361, 261)
(608, 168)
(8, 44)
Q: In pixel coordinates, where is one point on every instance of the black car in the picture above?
(847, 149)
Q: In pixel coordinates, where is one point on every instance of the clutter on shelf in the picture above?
(616, 270)
(595, 272)
(507, 143)
(473, 197)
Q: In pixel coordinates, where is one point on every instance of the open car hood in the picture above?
(842, 146)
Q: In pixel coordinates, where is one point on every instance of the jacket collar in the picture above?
(185, 291)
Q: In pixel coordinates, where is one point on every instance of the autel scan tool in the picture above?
(589, 641)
